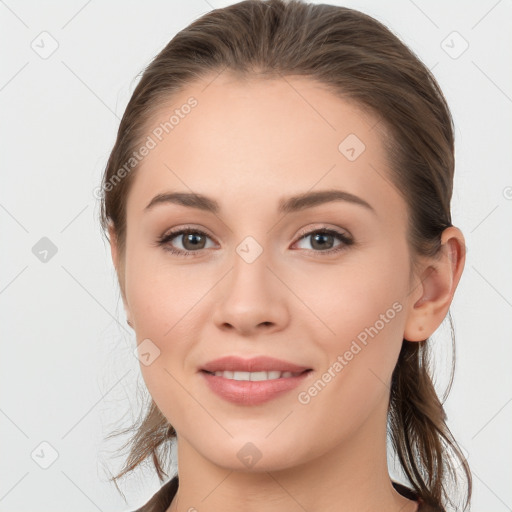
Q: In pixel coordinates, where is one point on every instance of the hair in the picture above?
(360, 60)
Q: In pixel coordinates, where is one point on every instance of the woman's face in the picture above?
(265, 281)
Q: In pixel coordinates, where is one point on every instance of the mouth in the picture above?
(253, 388)
(255, 368)
(256, 376)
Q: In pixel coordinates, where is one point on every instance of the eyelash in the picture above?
(164, 240)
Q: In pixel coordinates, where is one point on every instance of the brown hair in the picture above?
(358, 59)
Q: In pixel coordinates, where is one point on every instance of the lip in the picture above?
(254, 364)
(246, 392)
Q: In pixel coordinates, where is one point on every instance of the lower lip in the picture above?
(244, 392)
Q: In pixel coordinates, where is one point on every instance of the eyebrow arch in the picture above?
(190, 200)
(311, 199)
(286, 205)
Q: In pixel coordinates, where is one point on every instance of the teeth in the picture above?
(255, 376)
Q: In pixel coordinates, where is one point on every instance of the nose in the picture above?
(252, 299)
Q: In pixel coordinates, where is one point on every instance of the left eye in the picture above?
(325, 237)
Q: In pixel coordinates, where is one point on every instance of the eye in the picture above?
(324, 238)
(192, 240)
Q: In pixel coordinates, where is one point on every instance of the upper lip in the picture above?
(254, 364)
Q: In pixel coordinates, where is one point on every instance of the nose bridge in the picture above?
(249, 280)
(250, 294)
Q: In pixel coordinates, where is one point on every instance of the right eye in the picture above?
(192, 239)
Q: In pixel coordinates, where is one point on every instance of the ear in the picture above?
(114, 250)
(438, 282)
(113, 245)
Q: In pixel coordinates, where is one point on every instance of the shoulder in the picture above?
(161, 500)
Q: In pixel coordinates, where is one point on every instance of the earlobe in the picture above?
(438, 283)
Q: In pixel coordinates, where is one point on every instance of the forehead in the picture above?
(256, 139)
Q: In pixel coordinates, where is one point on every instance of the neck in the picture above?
(352, 476)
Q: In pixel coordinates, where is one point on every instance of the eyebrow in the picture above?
(286, 205)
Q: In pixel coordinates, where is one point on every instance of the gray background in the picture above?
(67, 369)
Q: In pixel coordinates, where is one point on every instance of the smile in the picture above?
(255, 376)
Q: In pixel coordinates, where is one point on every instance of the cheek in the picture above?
(162, 293)
(170, 304)
(361, 306)
(361, 291)
(165, 311)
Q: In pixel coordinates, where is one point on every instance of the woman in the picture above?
(278, 207)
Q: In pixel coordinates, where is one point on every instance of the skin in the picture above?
(247, 145)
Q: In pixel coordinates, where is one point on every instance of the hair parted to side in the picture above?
(361, 60)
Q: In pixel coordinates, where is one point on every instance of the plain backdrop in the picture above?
(67, 369)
